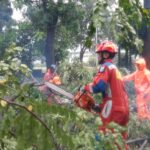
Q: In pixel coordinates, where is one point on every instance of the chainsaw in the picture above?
(82, 98)
(59, 90)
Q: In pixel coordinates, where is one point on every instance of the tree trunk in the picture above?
(130, 59)
(127, 58)
(146, 51)
(49, 46)
(82, 51)
(51, 27)
(29, 63)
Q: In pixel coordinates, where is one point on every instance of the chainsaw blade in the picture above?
(59, 90)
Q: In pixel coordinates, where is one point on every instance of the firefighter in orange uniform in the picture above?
(47, 75)
(107, 81)
(141, 79)
(52, 77)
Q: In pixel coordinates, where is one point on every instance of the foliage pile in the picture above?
(26, 118)
(138, 129)
(75, 74)
(28, 122)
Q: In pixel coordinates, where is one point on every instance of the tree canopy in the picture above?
(51, 29)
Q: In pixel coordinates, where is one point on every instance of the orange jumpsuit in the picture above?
(48, 75)
(115, 106)
(141, 79)
(108, 81)
(51, 77)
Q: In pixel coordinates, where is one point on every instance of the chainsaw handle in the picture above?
(80, 95)
(81, 89)
(96, 108)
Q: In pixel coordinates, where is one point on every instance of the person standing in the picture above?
(52, 77)
(108, 81)
(141, 80)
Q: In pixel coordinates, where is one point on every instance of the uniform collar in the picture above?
(108, 60)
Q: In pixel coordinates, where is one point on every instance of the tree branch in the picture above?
(11, 102)
(139, 140)
(143, 145)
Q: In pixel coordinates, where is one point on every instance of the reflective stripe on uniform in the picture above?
(107, 109)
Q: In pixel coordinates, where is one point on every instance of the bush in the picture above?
(75, 74)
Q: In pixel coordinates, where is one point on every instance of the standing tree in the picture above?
(48, 16)
(123, 24)
(5, 14)
(6, 33)
(146, 30)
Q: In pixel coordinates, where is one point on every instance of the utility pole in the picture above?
(146, 51)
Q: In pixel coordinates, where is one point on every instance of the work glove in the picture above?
(89, 87)
(82, 89)
(96, 108)
(86, 88)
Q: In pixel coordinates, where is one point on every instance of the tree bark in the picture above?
(82, 51)
(50, 38)
(127, 58)
(146, 51)
(49, 46)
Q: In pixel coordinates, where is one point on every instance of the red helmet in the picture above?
(99, 47)
(108, 46)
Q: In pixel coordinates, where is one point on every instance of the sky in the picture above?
(17, 15)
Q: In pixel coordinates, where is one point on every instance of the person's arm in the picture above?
(99, 83)
(129, 77)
